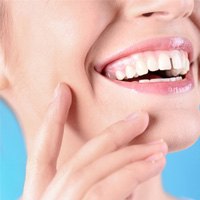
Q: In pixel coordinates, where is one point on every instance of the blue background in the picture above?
(181, 176)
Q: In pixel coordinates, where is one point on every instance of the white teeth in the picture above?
(141, 67)
(176, 59)
(151, 63)
(179, 78)
(130, 71)
(156, 80)
(120, 75)
(144, 81)
(173, 62)
(186, 66)
(160, 80)
(164, 62)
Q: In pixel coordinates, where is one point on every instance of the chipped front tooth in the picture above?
(174, 72)
(164, 62)
(130, 71)
(176, 59)
(152, 63)
(141, 68)
(169, 73)
(120, 75)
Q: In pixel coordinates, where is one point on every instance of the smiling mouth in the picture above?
(162, 66)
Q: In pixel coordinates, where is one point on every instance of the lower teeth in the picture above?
(161, 80)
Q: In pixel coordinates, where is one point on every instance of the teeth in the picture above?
(144, 81)
(174, 62)
(130, 71)
(161, 80)
(120, 75)
(186, 66)
(141, 67)
(176, 59)
(152, 63)
(164, 62)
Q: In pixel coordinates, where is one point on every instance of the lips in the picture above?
(162, 66)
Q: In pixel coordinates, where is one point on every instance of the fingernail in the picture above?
(155, 157)
(132, 116)
(156, 141)
(161, 142)
(56, 91)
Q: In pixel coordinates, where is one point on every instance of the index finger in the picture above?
(41, 164)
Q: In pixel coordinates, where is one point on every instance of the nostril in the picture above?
(158, 13)
(149, 14)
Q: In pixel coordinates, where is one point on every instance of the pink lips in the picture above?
(169, 43)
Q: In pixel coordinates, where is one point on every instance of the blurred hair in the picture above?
(2, 19)
(4, 28)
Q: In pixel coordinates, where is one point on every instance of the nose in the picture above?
(160, 9)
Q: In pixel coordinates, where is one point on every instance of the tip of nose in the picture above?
(164, 9)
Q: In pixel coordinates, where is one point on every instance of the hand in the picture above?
(104, 168)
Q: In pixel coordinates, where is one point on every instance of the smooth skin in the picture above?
(80, 146)
(86, 176)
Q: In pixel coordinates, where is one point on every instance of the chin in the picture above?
(179, 129)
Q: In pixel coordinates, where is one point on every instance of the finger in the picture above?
(103, 167)
(125, 181)
(41, 164)
(113, 138)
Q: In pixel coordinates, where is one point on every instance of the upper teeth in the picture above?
(175, 63)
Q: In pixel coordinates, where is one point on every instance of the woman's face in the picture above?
(54, 41)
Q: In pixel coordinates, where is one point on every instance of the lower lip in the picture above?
(161, 88)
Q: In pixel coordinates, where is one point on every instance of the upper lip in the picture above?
(167, 43)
